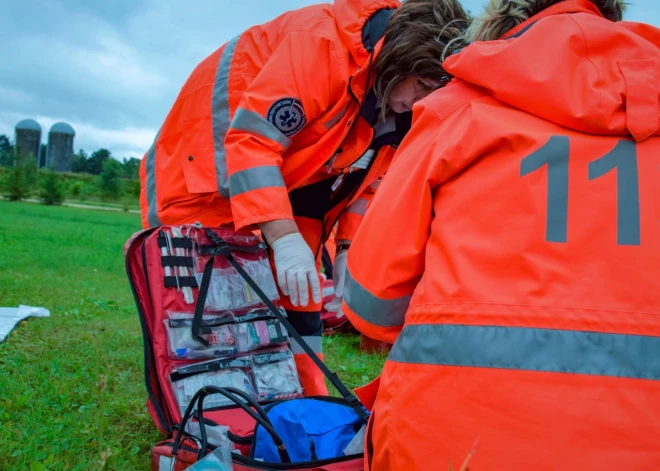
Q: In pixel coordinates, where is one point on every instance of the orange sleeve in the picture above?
(386, 258)
(291, 90)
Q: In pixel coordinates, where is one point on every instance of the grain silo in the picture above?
(60, 147)
(28, 138)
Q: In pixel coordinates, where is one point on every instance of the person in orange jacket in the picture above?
(283, 127)
(512, 252)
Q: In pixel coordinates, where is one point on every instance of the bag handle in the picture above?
(231, 394)
(222, 248)
(261, 413)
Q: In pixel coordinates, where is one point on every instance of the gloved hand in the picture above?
(296, 269)
(338, 279)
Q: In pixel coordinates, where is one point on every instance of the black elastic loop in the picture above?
(332, 377)
(183, 281)
(177, 243)
(176, 261)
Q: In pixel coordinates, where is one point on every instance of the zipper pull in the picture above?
(331, 162)
(337, 182)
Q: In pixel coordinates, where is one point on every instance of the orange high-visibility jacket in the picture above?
(512, 254)
(275, 109)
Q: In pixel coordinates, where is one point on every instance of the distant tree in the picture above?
(6, 152)
(16, 185)
(97, 159)
(131, 168)
(31, 171)
(110, 178)
(43, 150)
(52, 188)
(79, 162)
(75, 188)
(132, 188)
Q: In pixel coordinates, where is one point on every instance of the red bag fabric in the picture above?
(143, 265)
(161, 455)
(146, 277)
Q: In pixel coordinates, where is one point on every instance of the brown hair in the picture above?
(414, 42)
(501, 16)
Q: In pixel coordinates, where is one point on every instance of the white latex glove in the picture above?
(296, 269)
(338, 279)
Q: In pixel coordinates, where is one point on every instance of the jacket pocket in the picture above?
(203, 165)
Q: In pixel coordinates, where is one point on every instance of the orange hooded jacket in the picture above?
(521, 275)
(276, 109)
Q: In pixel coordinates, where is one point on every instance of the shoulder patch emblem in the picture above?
(287, 115)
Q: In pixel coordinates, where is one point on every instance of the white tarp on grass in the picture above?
(11, 316)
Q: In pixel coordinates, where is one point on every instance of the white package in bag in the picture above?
(232, 373)
(275, 375)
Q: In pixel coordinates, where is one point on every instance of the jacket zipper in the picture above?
(325, 231)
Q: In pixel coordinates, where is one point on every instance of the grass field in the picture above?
(71, 386)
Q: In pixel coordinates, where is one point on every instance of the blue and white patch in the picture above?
(287, 115)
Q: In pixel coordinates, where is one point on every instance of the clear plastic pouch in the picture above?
(227, 334)
(228, 291)
(189, 379)
(275, 375)
(260, 334)
(216, 330)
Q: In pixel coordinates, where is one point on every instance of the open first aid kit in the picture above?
(218, 369)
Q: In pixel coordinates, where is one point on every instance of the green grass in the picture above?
(72, 385)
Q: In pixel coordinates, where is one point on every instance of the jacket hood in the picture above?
(571, 66)
(362, 23)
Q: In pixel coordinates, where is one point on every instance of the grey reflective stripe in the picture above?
(376, 311)
(554, 154)
(314, 341)
(150, 170)
(359, 207)
(518, 348)
(220, 115)
(335, 119)
(249, 121)
(255, 178)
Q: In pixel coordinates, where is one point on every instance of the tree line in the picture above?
(80, 163)
(97, 177)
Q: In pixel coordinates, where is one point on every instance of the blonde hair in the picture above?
(501, 16)
(414, 43)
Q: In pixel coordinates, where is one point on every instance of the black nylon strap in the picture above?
(211, 249)
(332, 377)
(177, 242)
(176, 261)
(184, 281)
(201, 301)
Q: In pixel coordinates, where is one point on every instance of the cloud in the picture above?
(112, 69)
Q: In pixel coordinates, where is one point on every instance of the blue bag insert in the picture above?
(312, 429)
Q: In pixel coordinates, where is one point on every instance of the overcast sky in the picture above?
(112, 68)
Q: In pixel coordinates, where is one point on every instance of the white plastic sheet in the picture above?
(11, 316)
